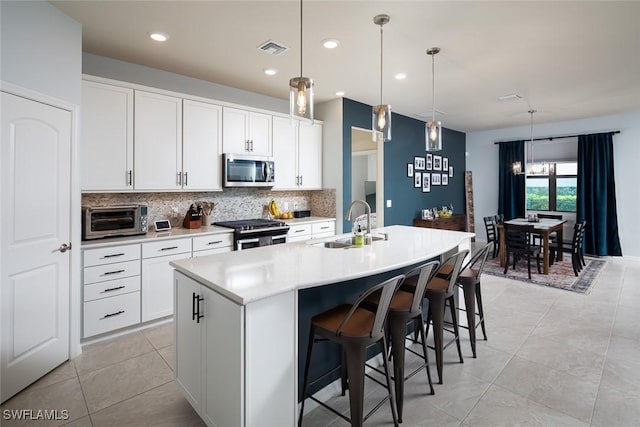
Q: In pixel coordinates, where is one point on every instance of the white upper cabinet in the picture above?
(285, 154)
(310, 156)
(246, 132)
(297, 153)
(201, 146)
(158, 142)
(106, 146)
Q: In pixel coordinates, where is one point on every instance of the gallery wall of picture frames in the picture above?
(430, 170)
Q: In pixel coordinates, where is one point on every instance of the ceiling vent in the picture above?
(273, 47)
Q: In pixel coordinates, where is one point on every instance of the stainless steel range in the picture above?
(252, 233)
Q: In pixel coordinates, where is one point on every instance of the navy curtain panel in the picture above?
(511, 195)
(597, 194)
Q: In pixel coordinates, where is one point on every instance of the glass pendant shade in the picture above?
(433, 136)
(516, 167)
(301, 99)
(381, 120)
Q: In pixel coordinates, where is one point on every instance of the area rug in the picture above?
(560, 275)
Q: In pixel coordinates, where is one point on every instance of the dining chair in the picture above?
(537, 239)
(518, 242)
(492, 232)
(575, 247)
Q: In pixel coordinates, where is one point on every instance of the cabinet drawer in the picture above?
(212, 241)
(212, 251)
(299, 230)
(323, 227)
(111, 288)
(118, 270)
(110, 255)
(111, 313)
(166, 247)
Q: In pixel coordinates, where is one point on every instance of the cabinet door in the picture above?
(310, 156)
(235, 125)
(106, 145)
(158, 142)
(285, 154)
(260, 134)
(224, 397)
(189, 363)
(157, 286)
(201, 146)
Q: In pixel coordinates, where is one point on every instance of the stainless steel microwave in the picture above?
(241, 170)
(111, 221)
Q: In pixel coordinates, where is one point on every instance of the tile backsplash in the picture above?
(231, 204)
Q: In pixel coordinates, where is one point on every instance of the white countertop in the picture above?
(179, 232)
(258, 273)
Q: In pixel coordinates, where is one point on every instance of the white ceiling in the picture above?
(568, 60)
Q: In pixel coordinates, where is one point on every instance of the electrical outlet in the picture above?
(286, 206)
(388, 203)
(295, 206)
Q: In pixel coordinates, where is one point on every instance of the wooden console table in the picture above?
(453, 223)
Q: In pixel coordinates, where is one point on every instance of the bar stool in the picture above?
(355, 329)
(469, 281)
(439, 291)
(405, 306)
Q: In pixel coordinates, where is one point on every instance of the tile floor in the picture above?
(553, 358)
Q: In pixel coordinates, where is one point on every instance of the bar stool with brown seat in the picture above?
(405, 306)
(469, 281)
(355, 329)
(439, 291)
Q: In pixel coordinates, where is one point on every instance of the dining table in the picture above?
(543, 227)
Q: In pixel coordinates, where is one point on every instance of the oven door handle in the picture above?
(248, 241)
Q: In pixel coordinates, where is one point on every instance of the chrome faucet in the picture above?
(367, 211)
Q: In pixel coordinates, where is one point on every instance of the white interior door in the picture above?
(36, 179)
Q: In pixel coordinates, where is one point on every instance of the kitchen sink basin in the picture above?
(337, 244)
(351, 240)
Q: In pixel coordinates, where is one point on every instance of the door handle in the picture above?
(186, 179)
(64, 248)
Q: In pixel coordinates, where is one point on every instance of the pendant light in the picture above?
(535, 168)
(433, 129)
(381, 114)
(301, 91)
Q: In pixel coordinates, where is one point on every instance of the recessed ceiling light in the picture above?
(270, 71)
(340, 93)
(400, 76)
(159, 37)
(511, 97)
(330, 43)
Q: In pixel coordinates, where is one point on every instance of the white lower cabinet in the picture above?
(111, 291)
(299, 233)
(212, 244)
(323, 229)
(157, 280)
(236, 364)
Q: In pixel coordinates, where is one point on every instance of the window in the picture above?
(556, 191)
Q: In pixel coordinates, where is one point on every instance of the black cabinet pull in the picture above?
(324, 228)
(214, 243)
(298, 231)
(113, 255)
(169, 248)
(113, 272)
(112, 314)
(130, 177)
(195, 307)
(113, 289)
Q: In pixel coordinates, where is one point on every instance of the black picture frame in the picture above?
(429, 165)
(437, 163)
(417, 181)
(410, 170)
(450, 171)
(426, 182)
(445, 179)
(445, 164)
(436, 178)
(419, 163)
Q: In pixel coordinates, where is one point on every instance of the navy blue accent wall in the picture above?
(407, 142)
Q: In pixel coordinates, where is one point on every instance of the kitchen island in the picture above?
(239, 316)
